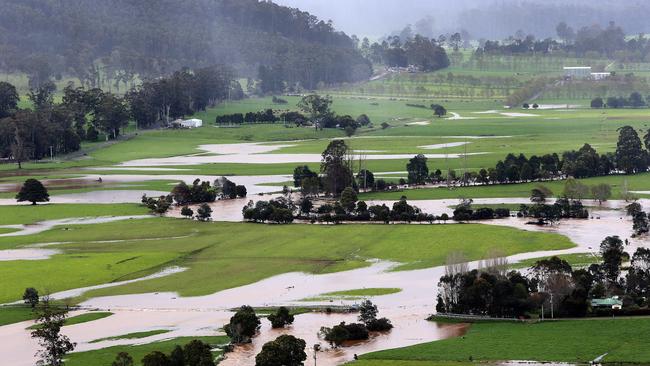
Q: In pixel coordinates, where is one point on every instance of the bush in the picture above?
(379, 325)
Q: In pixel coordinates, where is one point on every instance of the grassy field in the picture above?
(102, 253)
(624, 340)
(15, 314)
(28, 214)
(578, 260)
(136, 335)
(83, 318)
(106, 356)
(639, 182)
(353, 294)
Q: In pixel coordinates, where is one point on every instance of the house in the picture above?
(600, 75)
(613, 303)
(577, 72)
(188, 123)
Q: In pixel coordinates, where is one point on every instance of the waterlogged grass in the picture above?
(106, 356)
(241, 253)
(638, 182)
(15, 314)
(624, 340)
(83, 318)
(136, 335)
(354, 294)
(29, 214)
(578, 260)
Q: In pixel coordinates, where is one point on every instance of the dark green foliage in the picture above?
(336, 335)
(281, 318)
(8, 99)
(156, 358)
(158, 205)
(33, 191)
(197, 353)
(335, 166)
(438, 110)
(123, 359)
(612, 251)
(204, 212)
(187, 212)
(418, 171)
(199, 192)
(348, 199)
(365, 179)
(243, 325)
(31, 297)
(300, 173)
(286, 350)
(630, 156)
(279, 211)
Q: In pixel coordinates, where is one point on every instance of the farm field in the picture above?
(578, 341)
(101, 253)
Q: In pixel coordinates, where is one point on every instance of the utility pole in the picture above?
(552, 317)
(51, 153)
(316, 349)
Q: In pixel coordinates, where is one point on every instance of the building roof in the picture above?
(577, 67)
(612, 301)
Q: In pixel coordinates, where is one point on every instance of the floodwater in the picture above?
(256, 153)
(42, 226)
(408, 309)
(26, 254)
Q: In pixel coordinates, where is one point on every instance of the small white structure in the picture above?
(191, 123)
(600, 75)
(577, 71)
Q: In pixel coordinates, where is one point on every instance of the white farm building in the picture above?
(577, 72)
(189, 123)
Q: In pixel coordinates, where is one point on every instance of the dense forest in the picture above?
(109, 44)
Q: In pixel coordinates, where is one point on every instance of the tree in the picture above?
(597, 102)
(640, 223)
(243, 325)
(187, 212)
(8, 99)
(111, 115)
(197, 353)
(336, 167)
(123, 359)
(417, 169)
(636, 100)
(540, 193)
(438, 110)
(630, 156)
(155, 358)
(33, 191)
(612, 252)
(300, 173)
(54, 345)
(367, 312)
(601, 192)
(286, 350)
(177, 356)
(363, 120)
(365, 179)
(575, 190)
(241, 191)
(336, 335)
(316, 106)
(348, 199)
(204, 212)
(31, 297)
(281, 318)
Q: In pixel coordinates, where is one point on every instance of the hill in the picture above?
(112, 42)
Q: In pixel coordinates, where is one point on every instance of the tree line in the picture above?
(139, 41)
(551, 286)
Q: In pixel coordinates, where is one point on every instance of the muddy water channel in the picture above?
(408, 309)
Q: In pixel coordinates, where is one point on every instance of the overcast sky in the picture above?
(377, 17)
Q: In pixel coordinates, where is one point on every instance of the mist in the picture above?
(481, 18)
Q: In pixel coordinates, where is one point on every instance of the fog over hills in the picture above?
(487, 18)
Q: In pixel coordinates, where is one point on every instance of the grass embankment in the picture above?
(15, 314)
(28, 214)
(106, 356)
(354, 294)
(83, 318)
(240, 253)
(624, 340)
(136, 335)
(578, 260)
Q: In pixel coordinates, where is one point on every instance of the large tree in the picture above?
(54, 345)
(243, 325)
(630, 156)
(286, 350)
(611, 249)
(336, 168)
(318, 107)
(417, 169)
(8, 99)
(33, 191)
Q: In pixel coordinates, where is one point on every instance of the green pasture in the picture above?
(106, 356)
(575, 341)
(28, 214)
(240, 253)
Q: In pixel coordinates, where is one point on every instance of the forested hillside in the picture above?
(112, 42)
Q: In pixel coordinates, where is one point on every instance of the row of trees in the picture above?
(551, 284)
(424, 53)
(635, 100)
